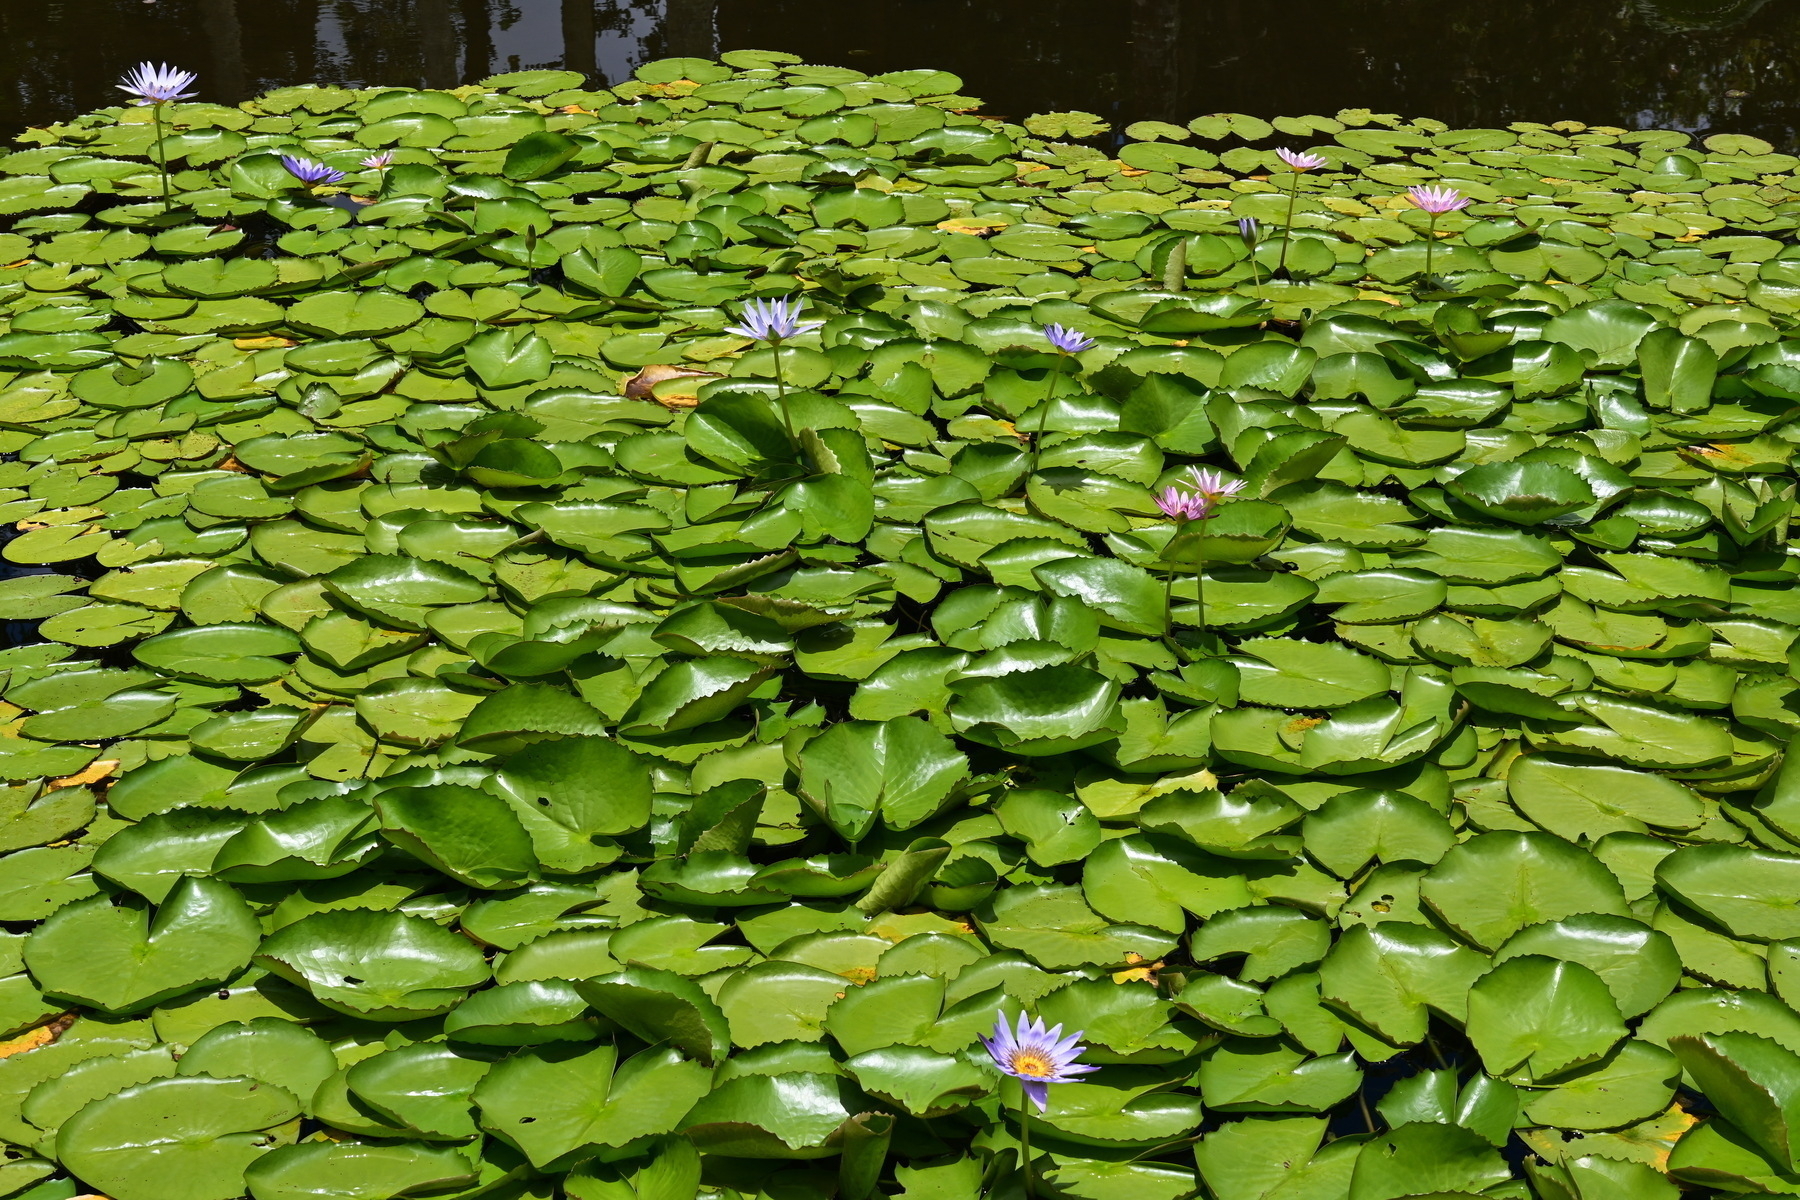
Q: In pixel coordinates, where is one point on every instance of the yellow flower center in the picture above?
(1026, 1062)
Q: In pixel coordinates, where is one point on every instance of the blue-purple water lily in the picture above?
(158, 83)
(1067, 341)
(1036, 1057)
(312, 174)
(772, 321)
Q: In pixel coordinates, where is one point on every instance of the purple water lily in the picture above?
(311, 173)
(1063, 340)
(157, 83)
(1036, 1057)
(1068, 341)
(377, 162)
(1251, 233)
(773, 321)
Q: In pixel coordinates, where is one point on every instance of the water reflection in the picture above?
(1693, 64)
(1697, 14)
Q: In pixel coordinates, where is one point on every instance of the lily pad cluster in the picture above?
(460, 742)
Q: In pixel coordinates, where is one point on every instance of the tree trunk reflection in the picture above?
(691, 29)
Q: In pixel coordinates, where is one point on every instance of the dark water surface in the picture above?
(1699, 65)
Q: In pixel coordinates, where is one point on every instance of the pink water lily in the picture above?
(1213, 485)
(1300, 160)
(1438, 200)
(1435, 201)
(1178, 505)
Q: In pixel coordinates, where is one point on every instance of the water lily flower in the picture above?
(1198, 501)
(377, 162)
(1300, 160)
(1036, 1057)
(1068, 341)
(311, 173)
(773, 321)
(1251, 233)
(1438, 200)
(1064, 341)
(1178, 505)
(1213, 485)
(157, 83)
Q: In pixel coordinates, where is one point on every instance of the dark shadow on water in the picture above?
(1699, 65)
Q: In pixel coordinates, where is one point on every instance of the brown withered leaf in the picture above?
(263, 342)
(93, 773)
(1139, 970)
(642, 386)
(31, 1039)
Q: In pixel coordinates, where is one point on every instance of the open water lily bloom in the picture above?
(1438, 200)
(772, 321)
(1300, 160)
(158, 83)
(311, 173)
(1213, 486)
(1036, 1057)
(1178, 505)
(1066, 340)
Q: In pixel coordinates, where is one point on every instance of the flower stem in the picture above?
(787, 418)
(162, 151)
(1287, 232)
(1200, 596)
(1043, 421)
(1430, 245)
(1025, 1146)
(1169, 600)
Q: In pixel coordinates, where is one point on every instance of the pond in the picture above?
(1697, 65)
